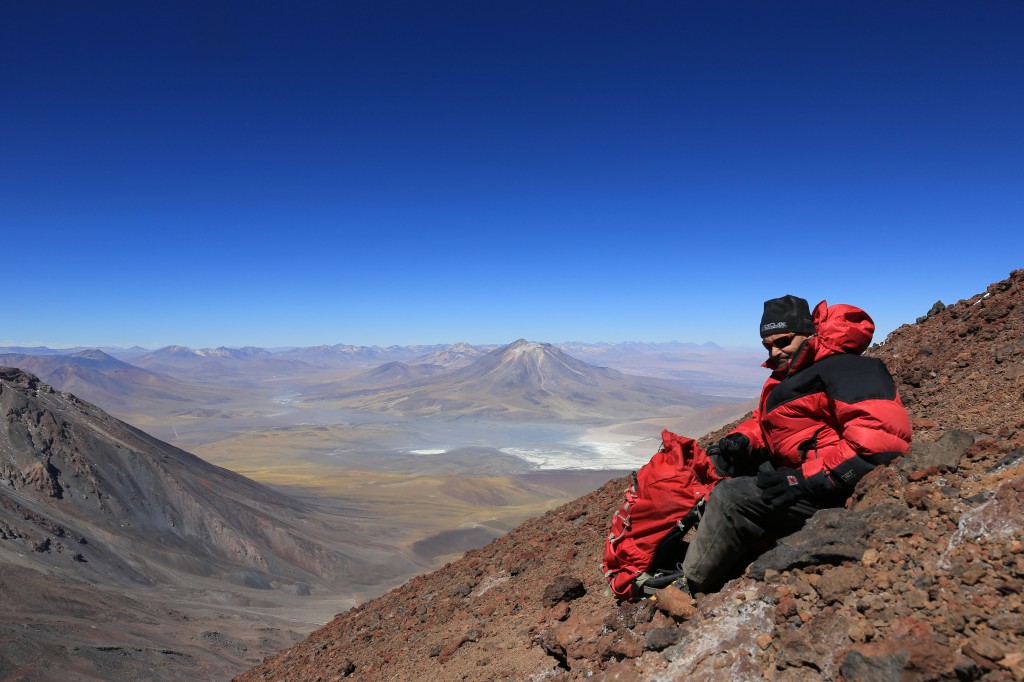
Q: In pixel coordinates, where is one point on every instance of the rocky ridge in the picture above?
(125, 558)
(919, 579)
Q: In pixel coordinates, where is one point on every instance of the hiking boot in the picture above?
(681, 584)
(646, 585)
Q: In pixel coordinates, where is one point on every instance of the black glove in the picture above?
(783, 487)
(730, 453)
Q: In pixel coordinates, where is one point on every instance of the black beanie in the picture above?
(787, 315)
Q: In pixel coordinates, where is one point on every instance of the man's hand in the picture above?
(783, 487)
(729, 453)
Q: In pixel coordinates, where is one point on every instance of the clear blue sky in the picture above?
(379, 172)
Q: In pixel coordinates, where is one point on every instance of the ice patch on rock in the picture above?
(723, 645)
(999, 517)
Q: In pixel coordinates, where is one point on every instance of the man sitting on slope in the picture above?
(826, 417)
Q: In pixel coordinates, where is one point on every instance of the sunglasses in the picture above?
(779, 343)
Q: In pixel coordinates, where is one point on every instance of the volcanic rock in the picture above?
(565, 588)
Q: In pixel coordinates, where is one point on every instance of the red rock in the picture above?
(836, 583)
(987, 647)
(922, 474)
(787, 607)
(676, 602)
(1014, 663)
(977, 658)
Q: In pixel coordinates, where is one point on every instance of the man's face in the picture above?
(781, 347)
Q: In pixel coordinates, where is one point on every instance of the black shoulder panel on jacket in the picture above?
(846, 378)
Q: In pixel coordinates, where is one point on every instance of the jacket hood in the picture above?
(839, 328)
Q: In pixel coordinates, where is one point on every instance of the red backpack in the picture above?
(645, 548)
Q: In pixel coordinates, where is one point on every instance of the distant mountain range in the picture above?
(523, 381)
(351, 354)
(348, 355)
(217, 364)
(520, 381)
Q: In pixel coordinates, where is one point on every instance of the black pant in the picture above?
(735, 522)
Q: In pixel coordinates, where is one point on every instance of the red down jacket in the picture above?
(831, 412)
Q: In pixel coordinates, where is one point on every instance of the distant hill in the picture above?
(35, 350)
(349, 356)
(396, 373)
(456, 355)
(214, 364)
(99, 377)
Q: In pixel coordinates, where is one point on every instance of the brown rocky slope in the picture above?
(125, 558)
(919, 579)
